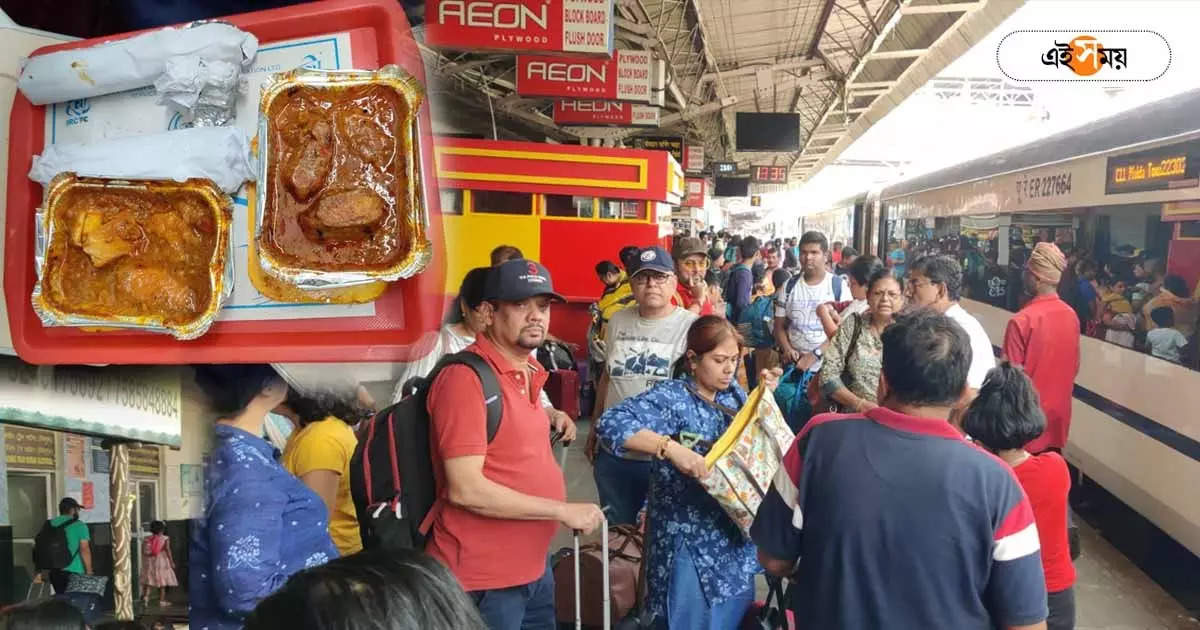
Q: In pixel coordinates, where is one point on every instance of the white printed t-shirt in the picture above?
(639, 352)
(805, 331)
(983, 359)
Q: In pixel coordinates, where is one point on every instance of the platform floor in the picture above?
(1111, 592)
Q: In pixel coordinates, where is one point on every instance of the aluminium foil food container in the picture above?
(220, 266)
(411, 173)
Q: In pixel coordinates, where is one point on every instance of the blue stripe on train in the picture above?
(1142, 424)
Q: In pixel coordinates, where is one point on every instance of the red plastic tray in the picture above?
(409, 310)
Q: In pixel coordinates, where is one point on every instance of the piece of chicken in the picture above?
(305, 170)
(155, 289)
(106, 241)
(349, 208)
(179, 241)
(367, 139)
(346, 215)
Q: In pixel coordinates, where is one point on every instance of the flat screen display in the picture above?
(731, 187)
(758, 131)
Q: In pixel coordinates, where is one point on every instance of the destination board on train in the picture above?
(1161, 168)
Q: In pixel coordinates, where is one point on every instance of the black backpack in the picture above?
(50, 547)
(555, 355)
(391, 473)
(791, 284)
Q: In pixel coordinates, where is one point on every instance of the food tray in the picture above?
(406, 314)
(220, 272)
(408, 213)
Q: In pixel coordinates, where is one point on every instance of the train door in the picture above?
(856, 225)
(876, 214)
(1158, 235)
(30, 503)
(145, 512)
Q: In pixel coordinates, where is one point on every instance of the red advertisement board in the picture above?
(631, 75)
(575, 112)
(545, 26)
(693, 158)
(693, 192)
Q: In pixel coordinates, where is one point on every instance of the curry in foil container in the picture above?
(341, 170)
(148, 254)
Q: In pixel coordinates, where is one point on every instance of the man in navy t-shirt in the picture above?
(893, 520)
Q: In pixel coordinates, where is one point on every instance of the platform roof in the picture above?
(841, 64)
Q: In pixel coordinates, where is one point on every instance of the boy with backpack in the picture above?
(741, 279)
(62, 546)
(756, 324)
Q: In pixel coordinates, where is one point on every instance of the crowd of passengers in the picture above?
(1126, 296)
(936, 497)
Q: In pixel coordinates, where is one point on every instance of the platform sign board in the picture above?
(670, 144)
(145, 461)
(769, 174)
(604, 113)
(694, 195)
(29, 448)
(693, 158)
(631, 75)
(579, 27)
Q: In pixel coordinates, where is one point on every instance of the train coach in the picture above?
(1123, 188)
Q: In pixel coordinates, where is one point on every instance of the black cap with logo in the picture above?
(654, 259)
(519, 279)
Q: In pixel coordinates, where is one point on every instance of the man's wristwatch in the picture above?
(818, 353)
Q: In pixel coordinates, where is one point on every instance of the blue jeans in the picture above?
(622, 485)
(528, 607)
(687, 608)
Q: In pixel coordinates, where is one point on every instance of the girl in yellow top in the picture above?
(319, 453)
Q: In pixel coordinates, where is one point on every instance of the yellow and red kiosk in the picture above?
(566, 206)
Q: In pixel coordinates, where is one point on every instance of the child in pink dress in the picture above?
(158, 566)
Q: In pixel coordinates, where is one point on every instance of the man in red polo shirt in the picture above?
(503, 501)
(691, 263)
(1043, 338)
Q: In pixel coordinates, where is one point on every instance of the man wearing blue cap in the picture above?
(642, 345)
(504, 498)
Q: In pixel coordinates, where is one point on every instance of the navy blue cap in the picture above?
(653, 259)
(519, 279)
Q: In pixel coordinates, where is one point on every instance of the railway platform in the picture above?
(1111, 593)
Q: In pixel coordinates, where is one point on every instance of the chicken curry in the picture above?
(334, 172)
(132, 252)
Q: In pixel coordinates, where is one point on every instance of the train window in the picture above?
(452, 201)
(622, 209)
(500, 202)
(568, 206)
(1189, 229)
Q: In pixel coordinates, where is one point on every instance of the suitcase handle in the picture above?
(604, 563)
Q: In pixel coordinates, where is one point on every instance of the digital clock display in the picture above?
(769, 174)
(724, 168)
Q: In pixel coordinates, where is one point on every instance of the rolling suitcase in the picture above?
(563, 389)
(604, 592)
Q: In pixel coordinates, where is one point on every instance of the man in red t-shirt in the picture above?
(1043, 338)
(691, 263)
(501, 502)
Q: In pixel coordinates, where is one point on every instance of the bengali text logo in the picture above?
(1107, 56)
